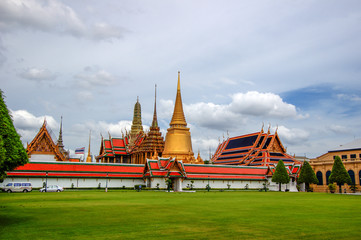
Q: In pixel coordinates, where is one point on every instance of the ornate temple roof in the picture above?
(255, 149)
(44, 144)
(164, 167)
(114, 146)
(168, 167)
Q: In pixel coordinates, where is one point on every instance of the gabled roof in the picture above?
(114, 147)
(255, 149)
(164, 167)
(44, 144)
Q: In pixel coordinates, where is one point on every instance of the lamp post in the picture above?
(208, 184)
(46, 182)
(106, 184)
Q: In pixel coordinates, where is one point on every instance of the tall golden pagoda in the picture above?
(89, 157)
(152, 144)
(178, 143)
(137, 121)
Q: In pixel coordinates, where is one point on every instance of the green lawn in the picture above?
(162, 215)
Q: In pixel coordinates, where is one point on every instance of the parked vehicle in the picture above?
(18, 187)
(52, 188)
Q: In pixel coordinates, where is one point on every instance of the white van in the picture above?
(18, 187)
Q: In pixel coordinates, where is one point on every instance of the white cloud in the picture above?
(349, 97)
(85, 96)
(262, 104)
(51, 16)
(292, 135)
(28, 125)
(92, 77)
(228, 81)
(242, 107)
(38, 74)
(338, 129)
(165, 109)
(213, 116)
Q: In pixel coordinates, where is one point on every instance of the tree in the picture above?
(280, 176)
(307, 175)
(169, 184)
(12, 152)
(339, 174)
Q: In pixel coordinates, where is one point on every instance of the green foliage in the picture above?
(169, 184)
(307, 175)
(280, 175)
(353, 188)
(12, 152)
(332, 187)
(339, 174)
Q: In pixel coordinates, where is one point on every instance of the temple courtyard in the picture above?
(121, 214)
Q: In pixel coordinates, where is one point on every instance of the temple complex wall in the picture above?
(42, 158)
(77, 182)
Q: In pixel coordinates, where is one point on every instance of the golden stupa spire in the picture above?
(89, 157)
(155, 121)
(178, 118)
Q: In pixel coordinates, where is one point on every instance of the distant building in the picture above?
(43, 149)
(350, 154)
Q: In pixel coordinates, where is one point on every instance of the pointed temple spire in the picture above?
(60, 139)
(89, 158)
(178, 143)
(137, 120)
(178, 118)
(155, 121)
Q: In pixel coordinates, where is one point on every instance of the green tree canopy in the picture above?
(280, 175)
(307, 175)
(12, 152)
(339, 174)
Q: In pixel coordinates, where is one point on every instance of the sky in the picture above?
(292, 66)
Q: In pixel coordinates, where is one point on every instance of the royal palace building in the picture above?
(350, 154)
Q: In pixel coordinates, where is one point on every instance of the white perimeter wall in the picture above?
(42, 158)
(152, 183)
(78, 182)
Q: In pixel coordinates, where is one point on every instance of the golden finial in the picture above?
(178, 118)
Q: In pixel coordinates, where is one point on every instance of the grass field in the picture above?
(162, 215)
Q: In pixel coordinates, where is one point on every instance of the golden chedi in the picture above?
(178, 143)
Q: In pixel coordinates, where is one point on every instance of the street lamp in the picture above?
(106, 184)
(208, 184)
(46, 182)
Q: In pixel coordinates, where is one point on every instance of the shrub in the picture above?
(353, 188)
(332, 187)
